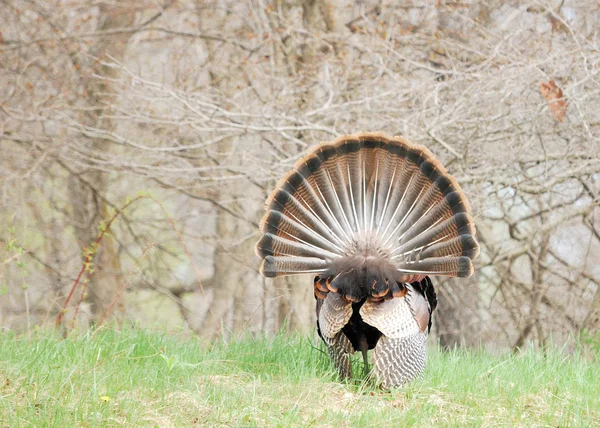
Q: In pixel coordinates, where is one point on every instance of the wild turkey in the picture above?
(372, 217)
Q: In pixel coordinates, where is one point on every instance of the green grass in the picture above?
(138, 378)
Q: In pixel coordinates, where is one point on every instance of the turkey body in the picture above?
(372, 218)
(404, 354)
(363, 336)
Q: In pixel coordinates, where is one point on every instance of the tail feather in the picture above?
(464, 245)
(451, 207)
(448, 266)
(279, 266)
(389, 175)
(355, 173)
(453, 227)
(297, 185)
(283, 202)
(281, 225)
(368, 197)
(398, 199)
(273, 245)
(322, 182)
(433, 193)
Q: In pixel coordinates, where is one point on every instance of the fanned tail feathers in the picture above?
(371, 208)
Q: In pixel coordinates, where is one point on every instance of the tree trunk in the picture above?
(297, 303)
(225, 280)
(456, 319)
(592, 320)
(87, 214)
(88, 206)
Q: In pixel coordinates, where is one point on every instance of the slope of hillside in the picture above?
(134, 377)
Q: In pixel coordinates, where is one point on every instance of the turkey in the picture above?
(371, 218)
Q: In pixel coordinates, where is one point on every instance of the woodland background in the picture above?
(175, 118)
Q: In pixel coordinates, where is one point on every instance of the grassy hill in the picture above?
(138, 378)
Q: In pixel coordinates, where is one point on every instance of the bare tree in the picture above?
(206, 105)
(89, 208)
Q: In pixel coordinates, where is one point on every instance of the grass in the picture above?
(134, 377)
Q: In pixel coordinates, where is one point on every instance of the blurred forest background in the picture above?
(177, 117)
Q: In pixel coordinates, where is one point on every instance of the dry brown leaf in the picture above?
(556, 102)
(557, 25)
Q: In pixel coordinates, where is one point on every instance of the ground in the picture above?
(134, 377)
